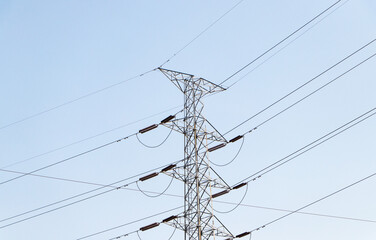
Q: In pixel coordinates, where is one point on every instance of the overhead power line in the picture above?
(306, 83)
(283, 40)
(99, 134)
(67, 159)
(129, 223)
(73, 100)
(201, 33)
(310, 146)
(89, 151)
(230, 203)
(358, 118)
(277, 219)
(179, 196)
(111, 185)
(263, 110)
(299, 212)
(121, 82)
(295, 154)
(305, 206)
(89, 138)
(287, 44)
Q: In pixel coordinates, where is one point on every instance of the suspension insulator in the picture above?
(168, 168)
(220, 193)
(217, 147)
(148, 176)
(243, 234)
(239, 185)
(147, 129)
(236, 139)
(169, 218)
(167, 119)
(149, 226)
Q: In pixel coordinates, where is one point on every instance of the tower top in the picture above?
(181, 80)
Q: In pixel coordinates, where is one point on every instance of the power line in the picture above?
(349, 70)
(297, 153)
(89, 138)
(73, 100)
(93, 149)
(288, 44)
(121, 82)
(304, 213)
(99, 134)
(111, 185)
(320, 88)
(66, 205)
(179, 196)
(172, 195)
(67, 159)
(125, 224)
(283, 40)
(310, 204)
(306, 83)
(230, 203)
(53, 178)
(353, 123)
(311, 145)
(201, 33)
(295, 211)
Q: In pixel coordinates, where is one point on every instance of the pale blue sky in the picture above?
(54, 51)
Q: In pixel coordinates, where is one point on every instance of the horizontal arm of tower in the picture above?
(180, 80)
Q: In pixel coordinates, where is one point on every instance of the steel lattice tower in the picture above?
(198, 221)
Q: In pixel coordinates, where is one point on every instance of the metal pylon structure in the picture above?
(198, 221)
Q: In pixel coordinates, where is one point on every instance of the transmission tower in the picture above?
(200, 180)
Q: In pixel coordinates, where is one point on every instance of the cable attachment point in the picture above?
(147, 129)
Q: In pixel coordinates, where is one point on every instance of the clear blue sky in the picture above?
(54, 51)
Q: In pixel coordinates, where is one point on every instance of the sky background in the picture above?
(52, 52)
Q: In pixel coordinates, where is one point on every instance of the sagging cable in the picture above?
(159, 194)
(236, 155)
(148, 146)
(138, 235)
(172, 234)
(241, 201)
